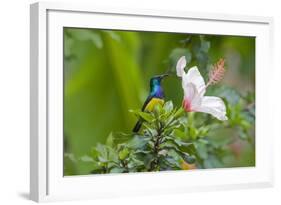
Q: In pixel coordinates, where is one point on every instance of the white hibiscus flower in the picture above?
(194, 89)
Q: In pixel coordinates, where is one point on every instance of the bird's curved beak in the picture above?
(163, 76)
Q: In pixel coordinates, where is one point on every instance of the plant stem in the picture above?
(124, 165)
(154, 164)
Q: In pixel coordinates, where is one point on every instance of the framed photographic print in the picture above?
(127, 102)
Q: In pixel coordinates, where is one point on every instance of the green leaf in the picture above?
(203, 131)
(191, 149)
(124, 153)
(150, 129)
(109, 140)
(104, 154)
(171, 162)
(163, 152)
(135, 163)
(179, 134)
(168, 106)
(169, 145)
(193, 132)
(102, 159)
(117, 170)
(174, 158)
(136, 112)
(158, 110)
(112, 155)
(86, 158)
(101, 150)
(179, 112)
(138, 142)
(146, 116)
(201, 149)
(181, 143)
(189, 159)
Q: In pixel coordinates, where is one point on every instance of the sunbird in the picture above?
(156, 96)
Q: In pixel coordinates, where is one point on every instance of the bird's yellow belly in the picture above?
(154, 101)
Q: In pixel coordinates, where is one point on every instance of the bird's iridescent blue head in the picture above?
(156, 80)
(155, 84)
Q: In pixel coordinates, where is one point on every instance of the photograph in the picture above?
(149, 101)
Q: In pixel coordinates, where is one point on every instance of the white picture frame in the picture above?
(47, 182)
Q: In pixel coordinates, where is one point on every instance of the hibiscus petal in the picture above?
(192, 96)
(214, 106)
(193, 76)
(190, 91)
(180, 66)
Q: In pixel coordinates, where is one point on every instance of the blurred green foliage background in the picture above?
(107, 72)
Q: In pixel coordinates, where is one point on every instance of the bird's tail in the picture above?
(137, 126)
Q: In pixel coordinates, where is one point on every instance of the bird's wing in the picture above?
(151, 102)
(146, 102)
